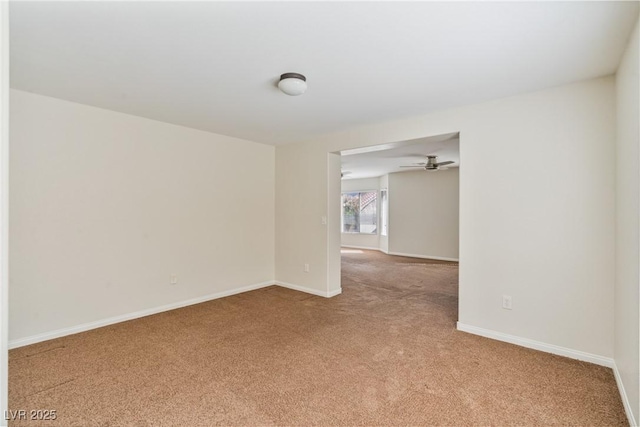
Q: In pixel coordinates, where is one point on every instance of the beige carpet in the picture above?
(385, 352)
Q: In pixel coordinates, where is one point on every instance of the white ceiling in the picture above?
(214, 66)
(380, 160)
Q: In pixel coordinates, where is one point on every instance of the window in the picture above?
(359, 212)
(384, 212)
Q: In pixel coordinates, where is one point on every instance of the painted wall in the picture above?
(106, 206)
(539, 227)
(334, 260)
(425, 213)
(371, 241)
(4, 205)
(301, 204)
(627, 299)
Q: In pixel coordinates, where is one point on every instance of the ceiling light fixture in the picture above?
(293, 84)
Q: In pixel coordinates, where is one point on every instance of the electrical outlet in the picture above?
(173, 279)
(306, 268)
(506, 302)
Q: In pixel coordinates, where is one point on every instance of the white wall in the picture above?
(360, 184)
(627, 297)
(304, 189)
(106, 206)
(425, 213)
(334, 260)
(4, 206)
(363, 240)
(539, 227)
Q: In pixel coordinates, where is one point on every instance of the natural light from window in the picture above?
(359, 212)
(384, 212)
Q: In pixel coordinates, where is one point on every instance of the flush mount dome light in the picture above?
(293, 84)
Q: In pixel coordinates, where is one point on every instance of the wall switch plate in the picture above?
(306, 268)
(173, 279)
(324, 220)
(506, 302)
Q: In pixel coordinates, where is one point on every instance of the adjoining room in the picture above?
(402, 199)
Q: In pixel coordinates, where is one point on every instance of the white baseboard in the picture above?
(538, 345)
(368, 248)
(437, 258)
(625, 398)
(130, 316)
(334, 292)
(326, 294)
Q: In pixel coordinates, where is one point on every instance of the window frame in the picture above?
(384, 209)
(377, 232)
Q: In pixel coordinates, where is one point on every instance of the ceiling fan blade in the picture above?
(448, 162)
(422, 166)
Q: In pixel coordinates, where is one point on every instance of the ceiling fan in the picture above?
(431, 164)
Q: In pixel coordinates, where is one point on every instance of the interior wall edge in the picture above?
(627, 226)
(625, 398)
(305, 289)
(4, 209)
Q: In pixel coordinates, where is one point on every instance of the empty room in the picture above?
(400, 237)
(319, 213)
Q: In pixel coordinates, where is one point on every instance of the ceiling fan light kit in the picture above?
(293, 84)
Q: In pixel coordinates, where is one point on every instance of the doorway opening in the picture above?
(399, 221)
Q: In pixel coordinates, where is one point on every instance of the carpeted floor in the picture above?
(385, 352)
